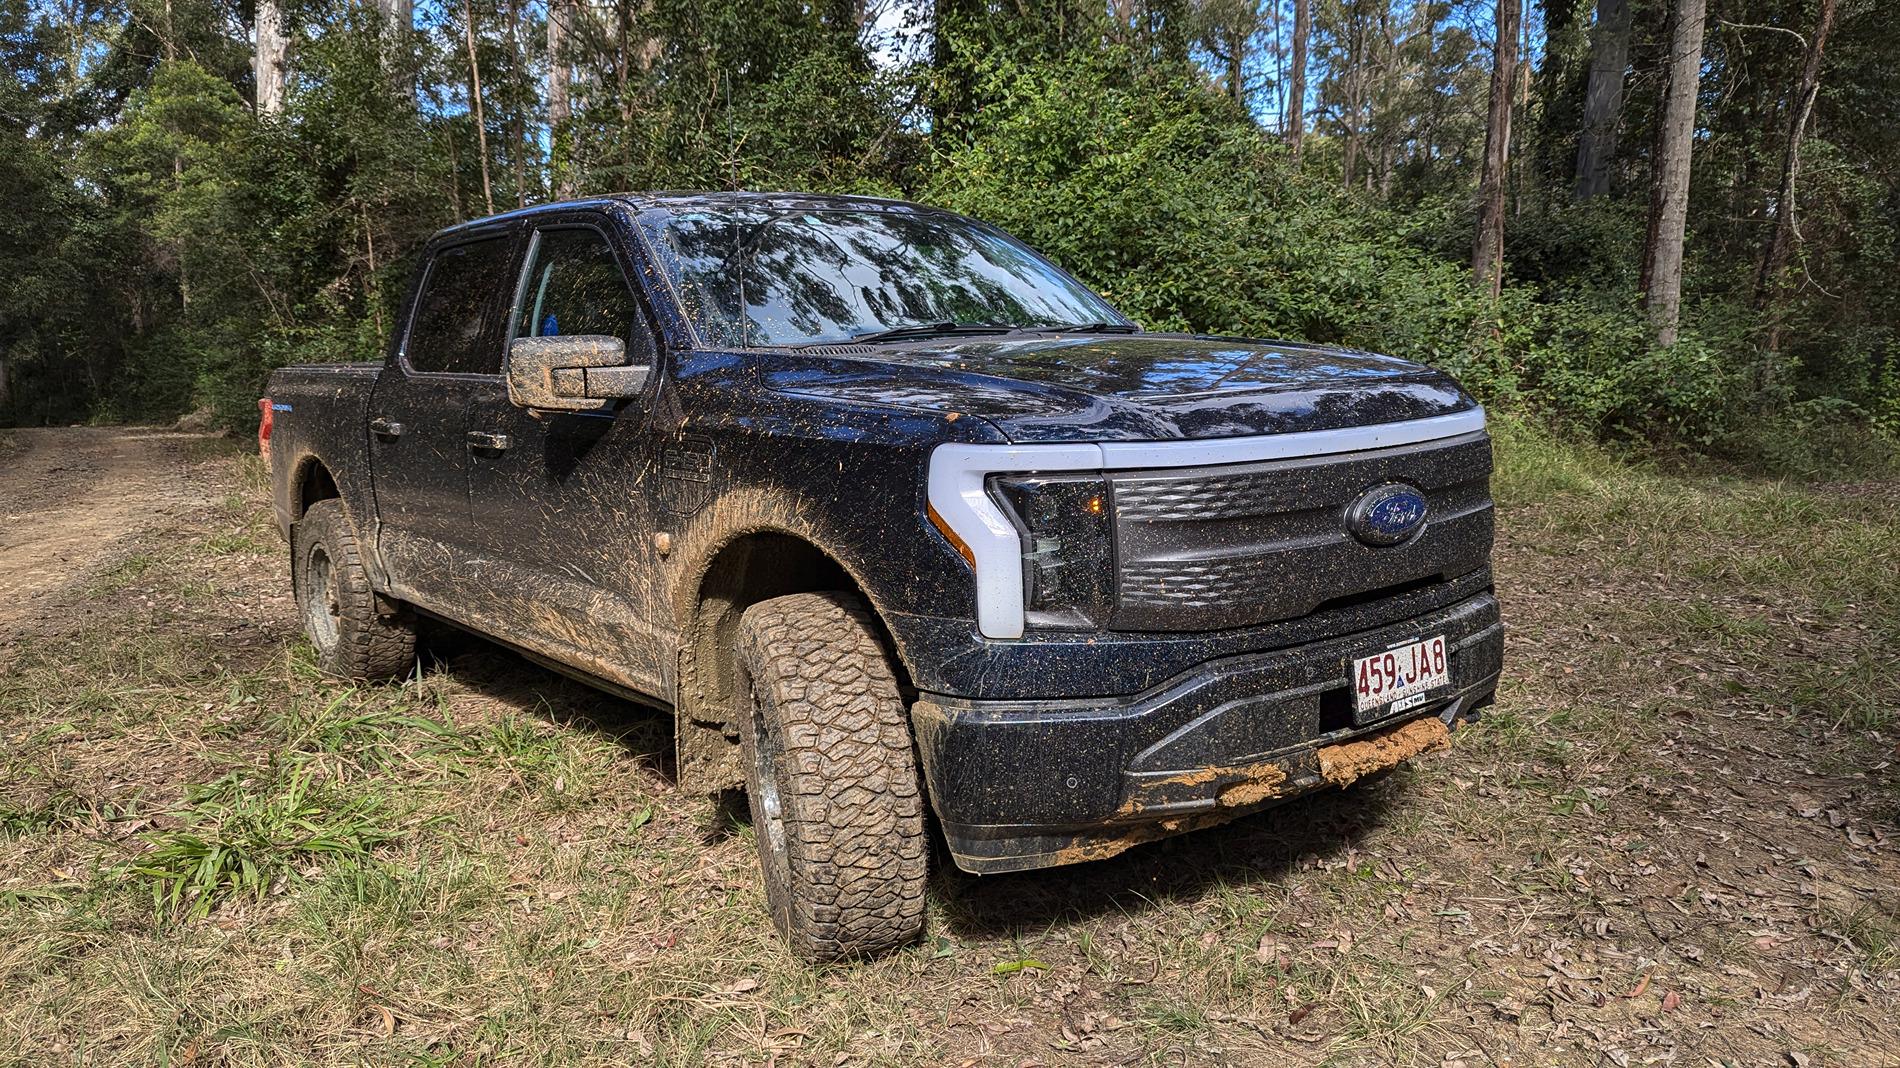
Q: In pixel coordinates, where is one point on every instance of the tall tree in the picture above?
(560, 167)
(1669, 189)
(1487, 252)
(399, 20)
(1228, 30)
(517, 125)
(1603, 99)
(475, 102)
(559, 73)
(270, 66)
(1800, 106)
(1296, 77)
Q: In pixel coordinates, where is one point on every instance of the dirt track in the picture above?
(75, 499)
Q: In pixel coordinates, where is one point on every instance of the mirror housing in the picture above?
(572, 373)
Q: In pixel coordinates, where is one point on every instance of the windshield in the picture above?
(751, 276)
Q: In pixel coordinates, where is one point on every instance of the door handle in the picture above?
(487, 439)
(387, 428)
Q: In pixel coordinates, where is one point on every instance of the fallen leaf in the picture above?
(389, 1021)
(1266, 950)
(1640, 987)
(1293, 1018)
(1670, 1001)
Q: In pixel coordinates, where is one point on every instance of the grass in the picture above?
(210, 854)
(234, 838)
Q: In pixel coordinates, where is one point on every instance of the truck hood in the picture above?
(1142, 387)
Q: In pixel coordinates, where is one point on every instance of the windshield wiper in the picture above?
(945, 329)
(1087, 328)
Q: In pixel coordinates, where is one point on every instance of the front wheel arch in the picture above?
(750, 566)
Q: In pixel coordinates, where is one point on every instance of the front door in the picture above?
(559, 502)
(418, 418)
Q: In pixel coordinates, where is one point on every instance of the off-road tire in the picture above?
(355, 637)
(831, 778)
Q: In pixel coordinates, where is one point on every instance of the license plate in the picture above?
(1401, 677)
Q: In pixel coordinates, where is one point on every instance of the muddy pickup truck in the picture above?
(893, 513)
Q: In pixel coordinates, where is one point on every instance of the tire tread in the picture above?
(853, 802)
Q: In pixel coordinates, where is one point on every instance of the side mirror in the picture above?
(576, 373)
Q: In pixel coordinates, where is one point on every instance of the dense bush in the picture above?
(1167, 200)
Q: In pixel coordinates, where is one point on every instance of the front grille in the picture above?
(1243, 544)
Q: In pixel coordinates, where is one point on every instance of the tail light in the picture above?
(263, 427)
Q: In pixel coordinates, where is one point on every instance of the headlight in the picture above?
(1068, 547)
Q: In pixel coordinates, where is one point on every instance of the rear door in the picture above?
(560, 507)
(418, 428)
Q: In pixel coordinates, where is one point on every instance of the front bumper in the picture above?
(1034, 784)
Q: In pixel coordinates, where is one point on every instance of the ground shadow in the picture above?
(1253, 850)
(1257, 849)
(499, 674)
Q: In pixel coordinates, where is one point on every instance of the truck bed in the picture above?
(320, 409)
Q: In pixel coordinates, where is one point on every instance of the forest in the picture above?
(1673, 222)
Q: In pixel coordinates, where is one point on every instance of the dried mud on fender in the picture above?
(1343, 765)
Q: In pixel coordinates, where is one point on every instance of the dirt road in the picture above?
(74, 500)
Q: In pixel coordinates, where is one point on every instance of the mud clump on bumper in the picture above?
(1263, 785)
(1347, 763)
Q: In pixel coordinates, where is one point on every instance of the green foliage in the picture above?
(1167, 200)
(166, 247)
(232, 840)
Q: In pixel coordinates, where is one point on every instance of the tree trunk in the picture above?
(517, 124)
(1782, 238)
(1296, 77)
(1355, 79)
(1603, 98)
(1237, 64)
(558, 73)
(455, 177)
(1383, 105)
(1669, 194)
(399, 19)
(269, 63)
(560, 168)
(1487, 252)
(475, 103)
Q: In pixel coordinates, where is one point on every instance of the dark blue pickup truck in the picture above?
(897, 516)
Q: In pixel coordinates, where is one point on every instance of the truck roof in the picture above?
(689, 201)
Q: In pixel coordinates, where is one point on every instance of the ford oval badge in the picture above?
(1386, 515)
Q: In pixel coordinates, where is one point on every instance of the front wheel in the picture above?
(837, 805)
(353, 637)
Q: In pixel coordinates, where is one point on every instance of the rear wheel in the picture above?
(354, 637)
(831, 779)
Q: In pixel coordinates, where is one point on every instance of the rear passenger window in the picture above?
(575, 287)
(455, 328)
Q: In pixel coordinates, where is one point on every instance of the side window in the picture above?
(574, 286)
(454, 326)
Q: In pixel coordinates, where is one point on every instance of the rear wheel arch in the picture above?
(311, 482)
